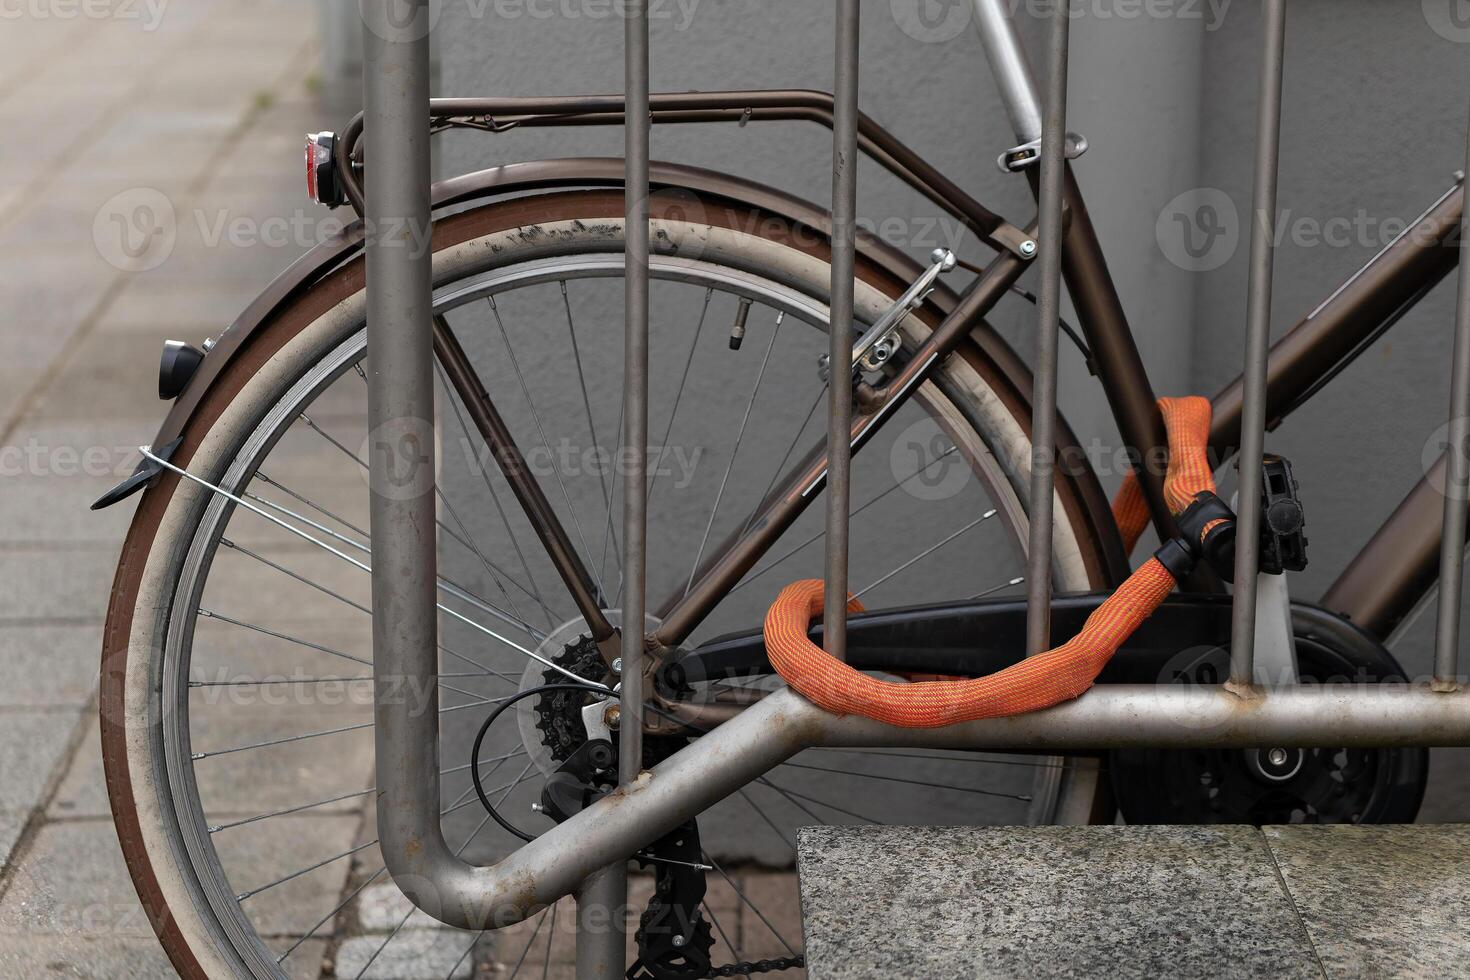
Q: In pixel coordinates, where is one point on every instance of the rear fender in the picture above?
(594, 172)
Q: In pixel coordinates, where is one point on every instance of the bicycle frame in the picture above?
(579, 853)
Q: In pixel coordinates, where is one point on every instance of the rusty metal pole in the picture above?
(1257, 345)
(839, 400)
(1049, 302)
(1456, 480)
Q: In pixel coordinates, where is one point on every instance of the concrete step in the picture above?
(1122, 902)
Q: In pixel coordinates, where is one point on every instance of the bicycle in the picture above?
(259, 465)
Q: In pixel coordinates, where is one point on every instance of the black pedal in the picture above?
(1283, 545)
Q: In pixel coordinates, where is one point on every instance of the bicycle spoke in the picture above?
(148, 453)
(449, 532)
(331, 915)
(935, 757)
(221, 617)
(348, 853)
(451, 397)
(490, 572)
(285, 739)
(409, 914)
(467, 951)
(587, 404)
(306, 870)
(217, 828)
(769, 822)
(996, 588)
(714, 920)
(788, 792)
(679, 392)
(550, 941)
(750, 905)
(482, 670)
(785, 458)
(445, 585)
(541, 430)
(757, 573)
(926, 553)
(735, 451)
(912, 782)
(540, 921)
(284, 811)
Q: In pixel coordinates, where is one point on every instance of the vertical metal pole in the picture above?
(1044, 394)
(635, 389)
(401, 414)
(1257, 344)
(600, 943)
(1457, 476)
(601, 923)
(839, 400)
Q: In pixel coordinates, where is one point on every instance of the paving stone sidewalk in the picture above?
(153, 189)
(148, 147)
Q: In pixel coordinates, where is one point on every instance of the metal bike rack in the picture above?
(586, 855)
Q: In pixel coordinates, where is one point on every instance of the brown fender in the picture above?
(519, 178)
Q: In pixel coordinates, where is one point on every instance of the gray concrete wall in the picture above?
(931, 87)
(1374, 127)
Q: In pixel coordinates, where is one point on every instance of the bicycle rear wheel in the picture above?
(236, 703)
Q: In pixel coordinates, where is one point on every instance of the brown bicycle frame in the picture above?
(1377, 590)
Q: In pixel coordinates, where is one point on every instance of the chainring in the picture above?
(1273, 785)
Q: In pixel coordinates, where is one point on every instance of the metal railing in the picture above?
(586, 855)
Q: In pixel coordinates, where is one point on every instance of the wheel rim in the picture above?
(198, 828)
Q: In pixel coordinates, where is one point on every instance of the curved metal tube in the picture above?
(767, 734)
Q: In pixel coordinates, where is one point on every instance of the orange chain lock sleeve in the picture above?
(1047, 679)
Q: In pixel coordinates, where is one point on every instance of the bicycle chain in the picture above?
(758, 966)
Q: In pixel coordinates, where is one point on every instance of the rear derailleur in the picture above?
(674, 939)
